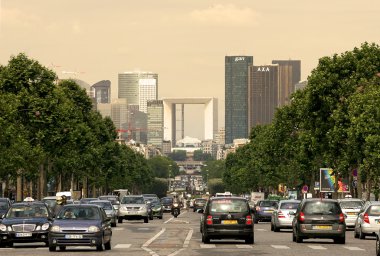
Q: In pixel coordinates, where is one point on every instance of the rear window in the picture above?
(351, 204)
(290, 206)
(268, 203)
(321, 207)
(228, 206)
(374, 210)
(133, 200)
(200, 200)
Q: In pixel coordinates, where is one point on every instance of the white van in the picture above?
(64, 193)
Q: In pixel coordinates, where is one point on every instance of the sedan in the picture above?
(264, 209)
(81, 225)
(368, 221)
(281, 217)
(108, 208)
(25, 222)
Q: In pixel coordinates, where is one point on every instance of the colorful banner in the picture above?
(328, 180)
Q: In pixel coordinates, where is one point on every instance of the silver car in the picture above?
(133, 207)
(351, 208)
(368, 221)
(281, 217)
(107, 207)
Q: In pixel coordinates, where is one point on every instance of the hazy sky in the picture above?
(184, 41)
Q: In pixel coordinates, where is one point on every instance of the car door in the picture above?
(106, 224)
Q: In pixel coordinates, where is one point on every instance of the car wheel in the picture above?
(99, 247)
(294, 237)
(340, 240)
(120, 220)
(160, 217)
(275, 228)
(356, 235)
(62, 248)
(298, 238)
(52, 248)
(361, 234)
(151, 217)
(377, 246)
(146, 220)
(107, 245)
(205, 238)
(250, 239)
(113, 224)
(271, 226)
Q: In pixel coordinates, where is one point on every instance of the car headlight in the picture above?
(93, 229)
(3, 227)
(175, 205)
(45, 226)
(55, 229)
(38, 228)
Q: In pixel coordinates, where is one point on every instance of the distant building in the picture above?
(300, 86)
(119, 115)
(236, 100)
(104, 109)
(209, 147)
(166, 147)
(101, 91)
(155, 115)
(220, 136)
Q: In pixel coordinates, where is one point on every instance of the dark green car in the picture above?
(157, 209)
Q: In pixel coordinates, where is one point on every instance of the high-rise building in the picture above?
(102, 91)
(119, 114)
(236, 100)
(138, 88)
(262, 94)
(289, 74)
(155, 109)
(300, 85)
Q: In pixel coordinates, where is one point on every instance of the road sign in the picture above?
(305, 188)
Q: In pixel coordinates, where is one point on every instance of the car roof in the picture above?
(319, 199)
(290, 201)
(29, 203)
(228, 197)
(100, 201)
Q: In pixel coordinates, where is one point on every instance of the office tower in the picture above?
(236, 100)
(263, 85)
(102, 91)
(138, 88)
(289, 74)
(155, 109)
(119, 115)
(300, 85)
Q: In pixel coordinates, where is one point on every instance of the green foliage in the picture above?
(178, 155)
(200, 156)
(216, 186)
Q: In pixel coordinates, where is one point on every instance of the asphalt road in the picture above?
(181, 237)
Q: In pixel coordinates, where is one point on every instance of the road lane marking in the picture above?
(280, 246)
(317, 247)
(244, 246)
(168, 220)
(353, 248)
(176, 252)
(187, 239)
(150, 251)
(260, 229)
(123, 246)
(207, 246)
(147, 243)
(117, 229)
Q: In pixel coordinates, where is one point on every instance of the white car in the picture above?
(351, 208)
(133, 207)
(281, 217)
(368, 221)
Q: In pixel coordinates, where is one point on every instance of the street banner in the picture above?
(328, 181)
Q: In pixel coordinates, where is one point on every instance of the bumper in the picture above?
(133, 214)
(350, 222)
(284, 223)
(167, 208)
(6, 237)
(307, 231)
(235, 232)
(263, 216)
(88, 239)
(369, 230)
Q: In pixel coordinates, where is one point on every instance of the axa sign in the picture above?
(239, 58)
(263, 69)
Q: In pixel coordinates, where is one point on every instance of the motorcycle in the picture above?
(176, 210)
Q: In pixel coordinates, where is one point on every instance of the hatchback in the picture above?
(227, 218)
(199, 203)
(319, 218)
(264, 209)
(281, 217)
(368, 221)
(351, 208)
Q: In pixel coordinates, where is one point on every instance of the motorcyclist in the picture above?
(176, 205)
(61, 201)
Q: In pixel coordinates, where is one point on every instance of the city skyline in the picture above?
(184, 42)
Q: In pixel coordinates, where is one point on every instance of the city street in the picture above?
(181, 236)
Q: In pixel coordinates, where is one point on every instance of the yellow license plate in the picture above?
(351, 213)
(229, 221)
(324, 227)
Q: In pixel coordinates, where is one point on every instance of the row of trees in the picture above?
(50, 135)
(334, 122)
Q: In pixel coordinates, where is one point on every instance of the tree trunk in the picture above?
(19, 187)
(42, 183)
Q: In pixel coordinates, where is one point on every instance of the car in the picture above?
(114, 199)
(50, 201)
(87, 200)
(157, 209)
(133, 207)
(81, 225)
(367, 223)
(167, 203)
(351, 208)
(5, 203)
(319, 218)
(281, 217)
(227, 217)
(199, 203)
(263, 209)
(25, 222)
(108, 208)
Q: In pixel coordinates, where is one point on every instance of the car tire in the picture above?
(250, 239)
(113, 224)
(271, 226)
(340, 240)
(151, 217)
(275, 228)
(107, 246)
(294, 237)
(146, 220)
(99, 247)
(298, 238)
(52, 248)
(160, 217)
(205, 238)
(356, 235)
(361, 234)
(120, 220)
(377, 245)
(62, 248)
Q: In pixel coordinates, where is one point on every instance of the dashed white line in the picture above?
(187, 239)
(147, 243)
(353, 248)
(123, 246)
(244, 246)
(207, 246)
(280, 246)
(317, 247)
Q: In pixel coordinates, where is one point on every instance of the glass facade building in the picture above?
(102, 91)
(155, 117)
(236, 97)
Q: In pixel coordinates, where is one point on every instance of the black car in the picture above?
(5, 203)
(227, 217)
(81, 225)
(319, 218)
(167, 203)
(25, 222)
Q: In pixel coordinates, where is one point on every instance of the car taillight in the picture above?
(280, 214)
(209, 220)
(248, 220)
(301, 217)
(366, 218)
(257, 208)
(341, 218)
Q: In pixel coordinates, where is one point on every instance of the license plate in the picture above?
(229, 221)
(73, 236)
(351, 213)
(322, 227)
(132, 212)
(23, 234)
(268, 211)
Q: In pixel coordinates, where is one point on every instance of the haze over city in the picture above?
(184, 42)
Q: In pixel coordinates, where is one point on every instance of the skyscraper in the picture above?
(236, 99)
(102, 91)
(155, 109)
(138, 88)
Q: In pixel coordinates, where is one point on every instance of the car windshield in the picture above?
(321, 208)
(268, 204)
(79, 213)
(27, 211)
(3, 205)
(50, 202)
(228, 206)
(289, 206)
(351, 204)
(133, 200)
(104, 205)
(167, 200)
(374, 210)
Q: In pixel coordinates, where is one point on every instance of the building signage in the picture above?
(263, 69)
(239, 58)
(328, 181)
